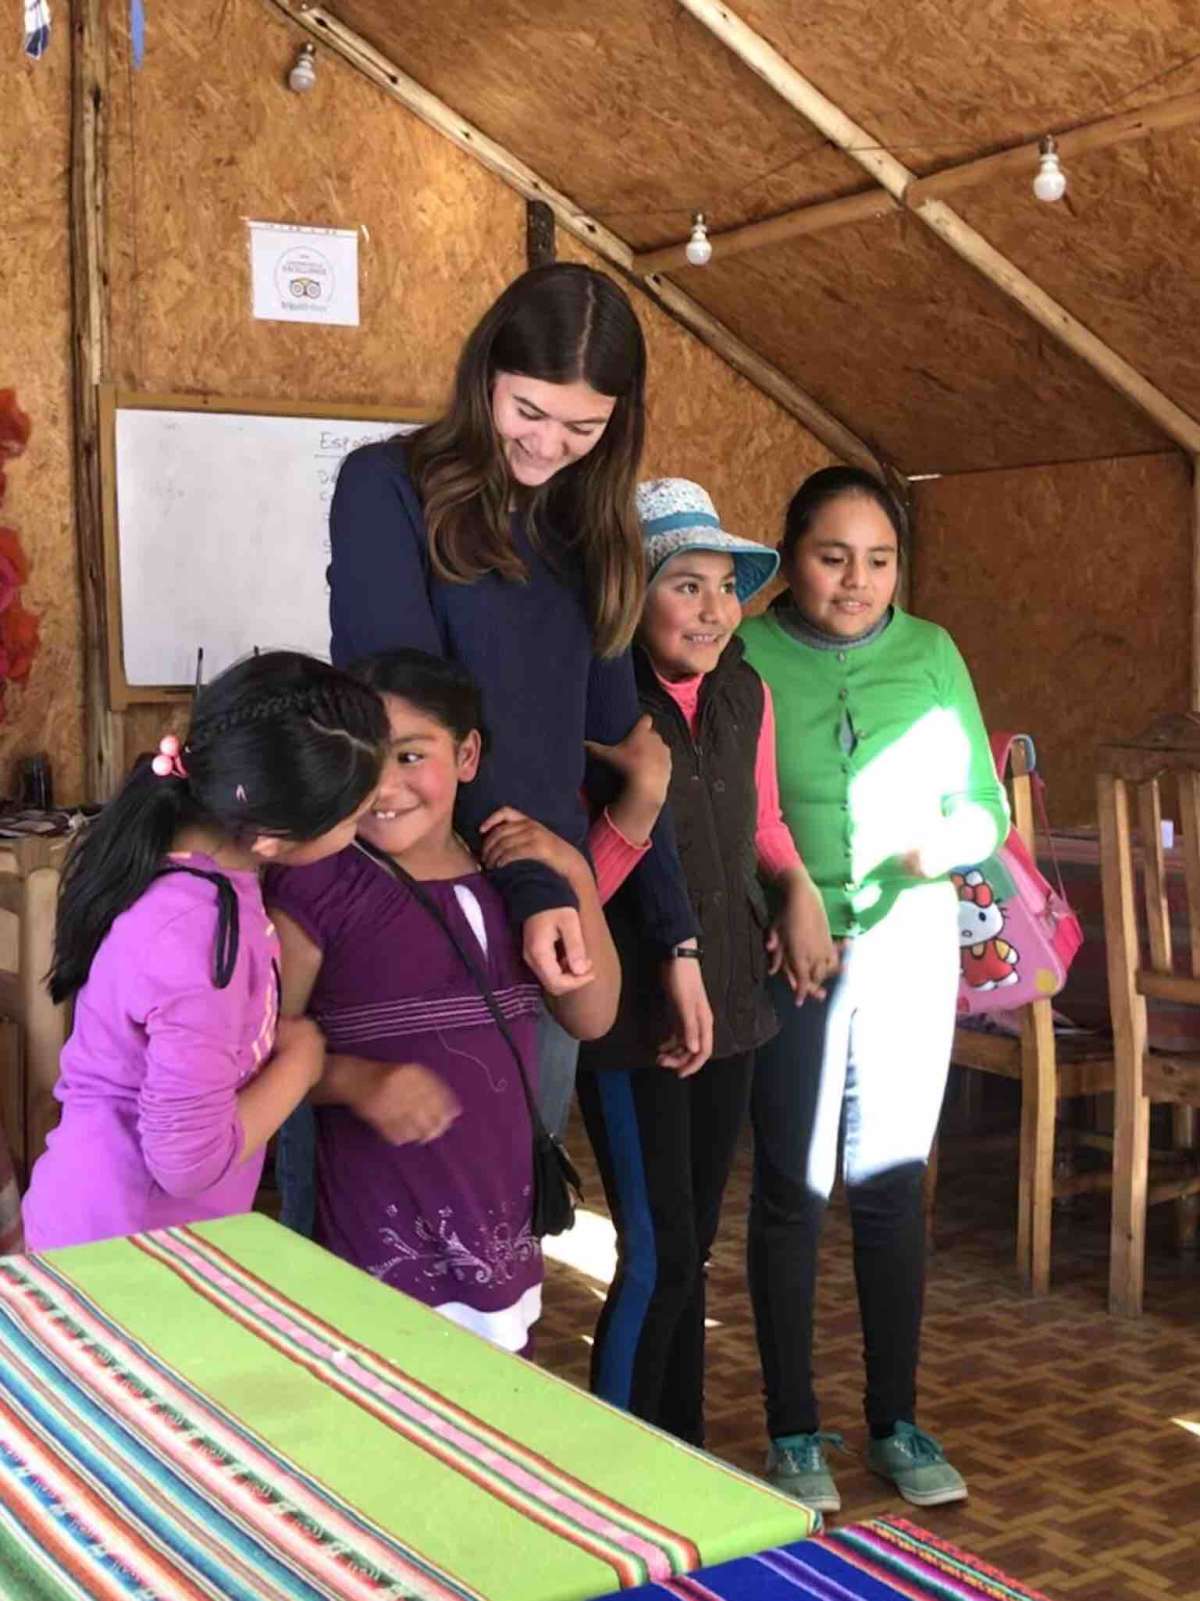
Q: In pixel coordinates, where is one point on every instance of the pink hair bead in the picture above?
(167, 763)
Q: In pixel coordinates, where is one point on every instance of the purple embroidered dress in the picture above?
(150, 1135)
(447, 1222)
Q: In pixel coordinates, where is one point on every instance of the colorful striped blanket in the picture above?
(880, 1561)
(227, 1411)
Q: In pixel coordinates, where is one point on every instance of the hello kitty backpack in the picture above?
(1016, 933)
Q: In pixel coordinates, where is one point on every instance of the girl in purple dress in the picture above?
(424, 1144)
(168, 1084)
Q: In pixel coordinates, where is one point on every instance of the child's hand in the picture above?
(919, 863)
(690, 1042)
(302, 1043)
(407, 1104)
(799, 941)
(643, 760)
(510, 836)
(554, 950)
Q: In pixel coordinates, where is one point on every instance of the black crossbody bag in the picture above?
(557, 1188)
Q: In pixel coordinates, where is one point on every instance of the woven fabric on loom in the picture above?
(227, 1411)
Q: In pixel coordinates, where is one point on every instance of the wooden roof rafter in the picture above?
(761, 57)
(325, 26)
(1015, 160)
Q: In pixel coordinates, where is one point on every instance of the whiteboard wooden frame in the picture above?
(121, 693)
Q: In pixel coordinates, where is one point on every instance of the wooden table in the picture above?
(229, 1411)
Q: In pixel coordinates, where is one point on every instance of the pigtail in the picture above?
(111, 864)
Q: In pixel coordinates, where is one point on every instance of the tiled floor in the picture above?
(1079, 1434)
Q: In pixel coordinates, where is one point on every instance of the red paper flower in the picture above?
(19, 641)
(19, 638)
(14, 425)
(14, 567)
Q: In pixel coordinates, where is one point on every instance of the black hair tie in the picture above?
(225, 947)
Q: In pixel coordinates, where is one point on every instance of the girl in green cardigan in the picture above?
(886, 783)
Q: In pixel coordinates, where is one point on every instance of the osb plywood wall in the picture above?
(35, 354)
(439, 238)
(1068, 590)
(706, 422)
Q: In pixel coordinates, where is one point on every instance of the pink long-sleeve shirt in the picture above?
(150, 1135)
(615, 857)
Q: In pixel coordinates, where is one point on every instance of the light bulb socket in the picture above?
(303, 75)
(698, 249)
(1050, 181)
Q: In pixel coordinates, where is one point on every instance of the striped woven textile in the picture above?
(878, 1561)
(227, 1411)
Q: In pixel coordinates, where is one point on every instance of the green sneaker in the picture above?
(796, 1465)
(917, 1466)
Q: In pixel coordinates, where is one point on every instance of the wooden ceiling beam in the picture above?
(788, 225)
(325, 27)
(1016, 161)
(891, 174)
(1021, 160)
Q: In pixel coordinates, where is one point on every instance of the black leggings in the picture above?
(664, 1145)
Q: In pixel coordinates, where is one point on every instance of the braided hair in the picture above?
(279, 744)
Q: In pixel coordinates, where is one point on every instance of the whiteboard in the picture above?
(223, 534)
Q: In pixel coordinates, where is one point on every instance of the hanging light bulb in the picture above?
(699, 249)
(1050, 181)
(303, 75)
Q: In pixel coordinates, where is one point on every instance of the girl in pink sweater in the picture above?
(174, 1077)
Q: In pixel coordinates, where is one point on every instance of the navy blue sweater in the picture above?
(528, 646)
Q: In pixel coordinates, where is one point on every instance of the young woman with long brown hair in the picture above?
(503, 536)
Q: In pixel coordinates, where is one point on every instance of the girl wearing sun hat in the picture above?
(664, 1133)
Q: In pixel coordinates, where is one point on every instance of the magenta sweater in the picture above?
(150, 1134)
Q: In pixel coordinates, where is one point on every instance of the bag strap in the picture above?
(1002, 747)
(472, 965)
(225, 950)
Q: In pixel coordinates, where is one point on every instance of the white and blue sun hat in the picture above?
(677, 515)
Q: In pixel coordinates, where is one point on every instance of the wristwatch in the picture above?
(688, 952)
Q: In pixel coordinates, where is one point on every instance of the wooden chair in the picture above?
(37, 1028)
(1049, 1070)
(1168, 750)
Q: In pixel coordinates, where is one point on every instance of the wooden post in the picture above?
(1131, 1109)
(89, 338)
(1195, 674)
(45, 1024)
(540, 248)
(1183, 1117)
